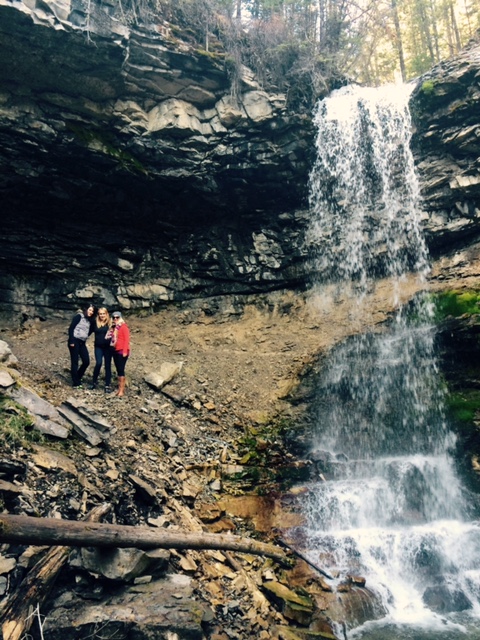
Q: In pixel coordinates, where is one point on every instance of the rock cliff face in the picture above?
(131, 175)
(446, 143)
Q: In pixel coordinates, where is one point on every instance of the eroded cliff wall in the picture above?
(133, 175)
(446, 143)
(130, 175)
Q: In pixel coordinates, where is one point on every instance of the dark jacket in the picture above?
(100, 333)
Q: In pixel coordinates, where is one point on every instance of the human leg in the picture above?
(107, 355)
(84, 357)
(74, 354)
(120, 362)
(121, 386)
(98, 351)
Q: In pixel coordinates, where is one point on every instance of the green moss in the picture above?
(464, 406)
(212, 55)
(16, 424)
(456, 303)
(106, 143)
(428, 88)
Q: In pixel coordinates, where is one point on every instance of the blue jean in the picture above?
(79, 350)
(103, 354)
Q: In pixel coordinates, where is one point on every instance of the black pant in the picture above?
(120, 362)
(79, 350)
(103, 354)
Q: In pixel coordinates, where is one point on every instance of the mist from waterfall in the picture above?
(391, 508)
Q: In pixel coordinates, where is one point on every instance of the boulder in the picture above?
(6, 355)
(6, 379)
(442, 599)
(122, 565)
(167, 372)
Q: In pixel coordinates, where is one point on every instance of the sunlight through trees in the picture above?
(303, 47)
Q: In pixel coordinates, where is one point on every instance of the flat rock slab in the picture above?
(49, 459)
(85, 422)
(142, 611)
(47, 419)
(96, 420)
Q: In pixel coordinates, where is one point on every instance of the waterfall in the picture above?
(391, 508)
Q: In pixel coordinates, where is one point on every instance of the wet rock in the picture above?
(287, 633)
(441, 599)
(446, 118)
(293, 605)
(297, 613)
(354, 607)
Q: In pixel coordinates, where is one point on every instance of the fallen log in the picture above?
(17, 616)
(50, 531)
(303, 557)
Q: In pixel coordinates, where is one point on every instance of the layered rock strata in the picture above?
(135, 173)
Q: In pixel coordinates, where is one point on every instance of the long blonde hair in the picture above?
(103, 323)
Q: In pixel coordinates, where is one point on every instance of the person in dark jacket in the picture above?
(80, 328)
(102, 331)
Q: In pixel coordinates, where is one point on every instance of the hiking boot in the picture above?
(93, 386)
(108, 389)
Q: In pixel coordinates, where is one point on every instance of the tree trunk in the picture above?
(398, 40)
(455, 26)
(29, 530)
(436, 37)
(18, 615)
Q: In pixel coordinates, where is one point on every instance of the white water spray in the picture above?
(392, 507)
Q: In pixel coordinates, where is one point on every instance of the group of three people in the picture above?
(112, 342)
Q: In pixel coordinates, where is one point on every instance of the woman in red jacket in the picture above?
(121, 345)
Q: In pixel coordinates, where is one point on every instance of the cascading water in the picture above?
(391, 508)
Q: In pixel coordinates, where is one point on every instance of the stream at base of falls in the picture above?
(391, 508)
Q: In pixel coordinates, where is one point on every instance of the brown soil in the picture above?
(240, 367)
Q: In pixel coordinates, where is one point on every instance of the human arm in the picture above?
(75, 320)
(123, 340)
